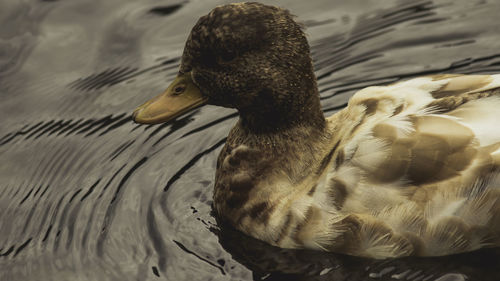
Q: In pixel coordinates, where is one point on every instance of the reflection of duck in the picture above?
(406, 169)
(291, 264)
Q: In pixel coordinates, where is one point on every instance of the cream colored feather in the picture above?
(414, 171)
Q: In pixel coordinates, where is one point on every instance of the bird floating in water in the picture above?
(410, 168)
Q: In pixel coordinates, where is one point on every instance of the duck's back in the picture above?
(416, 165)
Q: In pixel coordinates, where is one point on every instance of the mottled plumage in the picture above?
(410, 168)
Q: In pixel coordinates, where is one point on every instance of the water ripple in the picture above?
(86, 194)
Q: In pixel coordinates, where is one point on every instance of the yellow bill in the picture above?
(180, 97)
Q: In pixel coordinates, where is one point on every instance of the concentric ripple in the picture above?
(86, 194)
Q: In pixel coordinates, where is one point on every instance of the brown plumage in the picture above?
(405, 169)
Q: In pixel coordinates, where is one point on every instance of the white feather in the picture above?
(481, 116)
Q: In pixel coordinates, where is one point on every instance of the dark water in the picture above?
(85, 194)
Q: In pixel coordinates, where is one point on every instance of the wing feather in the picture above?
(425, 150)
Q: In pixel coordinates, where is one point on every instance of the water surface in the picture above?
(86, 194)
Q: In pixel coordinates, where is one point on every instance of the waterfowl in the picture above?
(410, 168)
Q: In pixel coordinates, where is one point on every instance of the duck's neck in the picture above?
(273, 117)
(263, 149)
(292, 141)
(255, 158)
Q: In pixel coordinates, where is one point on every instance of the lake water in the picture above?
(86, 194)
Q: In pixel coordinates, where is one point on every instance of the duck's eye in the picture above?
(226, 57)
(179, 89)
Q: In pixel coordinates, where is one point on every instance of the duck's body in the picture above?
(406, 169)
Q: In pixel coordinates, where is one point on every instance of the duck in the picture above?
(405, 169)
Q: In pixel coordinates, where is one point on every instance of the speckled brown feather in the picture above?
(254, 57)
(406, 169)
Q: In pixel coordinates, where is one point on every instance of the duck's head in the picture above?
(248, 56)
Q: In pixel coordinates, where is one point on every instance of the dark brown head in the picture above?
(255, 58)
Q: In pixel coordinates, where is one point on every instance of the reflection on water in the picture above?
(85, 194)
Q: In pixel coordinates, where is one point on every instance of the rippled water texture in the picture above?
(85, 194)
